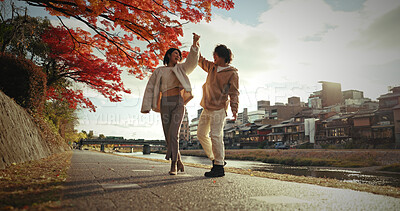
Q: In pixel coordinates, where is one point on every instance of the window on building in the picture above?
(340, 132)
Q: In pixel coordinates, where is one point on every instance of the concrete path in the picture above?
(99, 181)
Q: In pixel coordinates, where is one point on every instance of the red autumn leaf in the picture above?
(78, 63)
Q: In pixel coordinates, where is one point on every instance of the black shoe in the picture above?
(216, 171)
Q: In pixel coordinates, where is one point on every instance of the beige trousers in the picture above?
(211, 135)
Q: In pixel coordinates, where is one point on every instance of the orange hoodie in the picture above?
(218, 86)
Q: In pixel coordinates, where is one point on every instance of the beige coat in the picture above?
(152, 94)
(219, 86)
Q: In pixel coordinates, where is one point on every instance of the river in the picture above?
(346, 175)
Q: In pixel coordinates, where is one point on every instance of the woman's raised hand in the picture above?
(196, 38)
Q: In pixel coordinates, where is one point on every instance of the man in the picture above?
(220, 89)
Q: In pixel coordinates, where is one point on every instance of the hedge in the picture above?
(23, 81)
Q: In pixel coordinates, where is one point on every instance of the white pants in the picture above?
(211, 134)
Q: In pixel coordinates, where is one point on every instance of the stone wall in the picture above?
(20, 138)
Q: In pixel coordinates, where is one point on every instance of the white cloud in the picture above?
(382, 33)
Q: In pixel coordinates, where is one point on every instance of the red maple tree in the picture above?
(117, 24)
(77, 62)
(116, 27)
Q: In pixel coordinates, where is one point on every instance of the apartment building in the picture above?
(331, 94)
(282, 112)
(263, 104)
(294, 101)
(193, 141)
(253, 116)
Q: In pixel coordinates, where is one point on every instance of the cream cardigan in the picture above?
(152, 94)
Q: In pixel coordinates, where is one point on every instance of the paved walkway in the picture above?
(99, 181)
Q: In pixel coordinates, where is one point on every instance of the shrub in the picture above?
(23, 81)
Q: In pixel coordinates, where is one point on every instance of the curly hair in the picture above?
(224, 52)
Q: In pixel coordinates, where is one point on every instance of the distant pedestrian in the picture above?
(167, 92)
(220, 89)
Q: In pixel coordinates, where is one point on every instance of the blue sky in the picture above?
(282, 49)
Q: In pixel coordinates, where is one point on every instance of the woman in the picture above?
(167, 92)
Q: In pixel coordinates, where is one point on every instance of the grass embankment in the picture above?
(34, 185)
(393, 167)
(312, 157)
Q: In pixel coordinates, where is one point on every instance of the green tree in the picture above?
(82, 135)
(90, 135)
(62, 117)
(20, 34)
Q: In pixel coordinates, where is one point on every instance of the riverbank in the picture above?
(353, 158)
(326, 182)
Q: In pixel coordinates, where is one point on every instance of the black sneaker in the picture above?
(216, 171)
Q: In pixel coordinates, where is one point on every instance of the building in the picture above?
(396, 118)
(359, 125)
(352, 94)
(255, 115)
(370, 105)
(335, 130)
(291, 132)
(355, 98)
(331, 94)
(193, 140)
(193, 129)
(278, 112)
(356, 102)
(294, 101)
(244, 135)
(263, 132)
(362, 122)
(242, 118)
(263, 104)
(277, 133)
(391, 99)
(383, 127)
(282, 112)
(230, 137)
(315, 101)
(387, 118)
